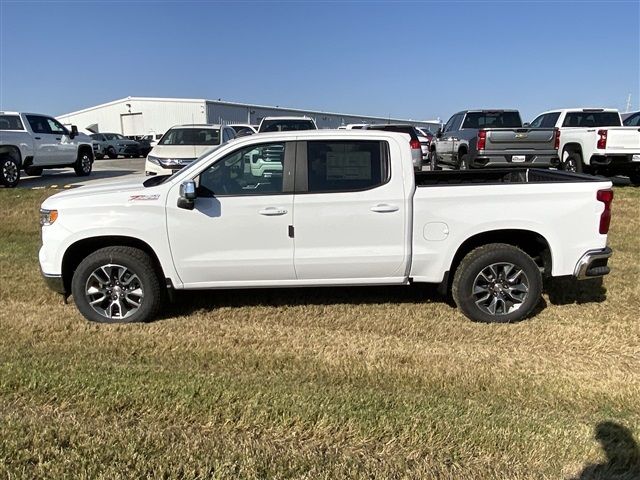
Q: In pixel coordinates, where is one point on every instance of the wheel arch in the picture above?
(11, 151)
(78, 251)
(88, 148)
(573, 147)
(532, 243)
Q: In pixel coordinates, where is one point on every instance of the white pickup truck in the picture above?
(33, 142)
(593, 140)
(334, 208)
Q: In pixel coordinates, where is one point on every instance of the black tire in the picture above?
(573, 163)
(111, 153)
(33, 171)
(471, 284)
(464, 162)
(635, 178)
(9, 171)
(84, 164)
(144, 277)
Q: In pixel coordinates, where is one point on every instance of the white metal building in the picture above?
(145, 115)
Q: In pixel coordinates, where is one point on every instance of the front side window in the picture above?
(191, 136)
(254, 170)
(110, 136)
(547, 120)
(10, 122)
(56, 127)
(344, 166)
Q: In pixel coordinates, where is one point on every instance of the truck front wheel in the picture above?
(117, 285)
(83, 165)
(497, 283)
(9, 171)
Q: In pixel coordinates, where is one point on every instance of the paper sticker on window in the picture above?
(348, 166)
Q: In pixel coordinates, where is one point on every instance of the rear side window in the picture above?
(548, 120)
(346, 165)
(38, 124)
(10, 122)
(477, 120)
(592, 119)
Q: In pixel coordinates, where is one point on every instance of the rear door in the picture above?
(349, 212)
(445, 144)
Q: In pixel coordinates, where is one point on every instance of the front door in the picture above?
(349, 212)
(238, 233)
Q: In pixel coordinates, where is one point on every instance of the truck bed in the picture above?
(499, 176)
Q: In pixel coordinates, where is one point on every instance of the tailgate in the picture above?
(624, 138)
(520, 139)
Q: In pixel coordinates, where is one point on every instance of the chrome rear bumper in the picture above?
(593, 264)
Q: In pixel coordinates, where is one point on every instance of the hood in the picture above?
(180, 151)
(104, 188)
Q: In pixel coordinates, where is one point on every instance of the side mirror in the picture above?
(74, 131)
(188, 194)
(439, 133)
(526, 124)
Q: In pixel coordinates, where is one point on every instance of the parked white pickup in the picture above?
(343, 208)
(33, 142)
(594, 140)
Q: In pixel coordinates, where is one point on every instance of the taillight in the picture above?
(482, 140)
(414, 143)
(606, 197)
(556, 145)
(602, 141)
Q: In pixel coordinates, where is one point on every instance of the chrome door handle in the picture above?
(272, 211)
(384, 208)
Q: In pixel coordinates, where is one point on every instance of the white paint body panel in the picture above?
(225, 243)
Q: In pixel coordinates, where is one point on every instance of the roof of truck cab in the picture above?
(489, 110)
(579, 109)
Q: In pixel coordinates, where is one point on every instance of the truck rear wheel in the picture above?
(497, 283)
(9, 171)
(573, 163)
(117, 285)
(464, 162)
(83, 165)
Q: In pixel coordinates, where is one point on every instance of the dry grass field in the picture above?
(320, 383)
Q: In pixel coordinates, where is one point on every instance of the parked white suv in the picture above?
(342, 208)
(593, 140)
(33, 142)
(182, 144)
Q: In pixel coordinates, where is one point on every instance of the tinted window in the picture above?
(110, 136)
(633, 120)
(255, 170)
(592, 119)
(191, 136)
(10, 122)
(449, 124)
(457, 121)
(345, 166)
(286, 125)
(548, 120)
(492, 120)
(38, 124)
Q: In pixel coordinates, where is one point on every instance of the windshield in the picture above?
(191, 136)
(492, 120)
(286, 125)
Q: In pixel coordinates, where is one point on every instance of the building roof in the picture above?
(238, 104)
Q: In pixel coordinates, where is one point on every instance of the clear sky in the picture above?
(416, 60)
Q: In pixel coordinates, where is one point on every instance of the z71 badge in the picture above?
(136, 198)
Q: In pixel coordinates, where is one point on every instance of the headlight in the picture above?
(154, 160)
(47, 217)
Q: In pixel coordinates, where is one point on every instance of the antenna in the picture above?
(628, 107)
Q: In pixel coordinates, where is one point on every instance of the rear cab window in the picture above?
(10, 122)
(346, 166)
(587, 119)
(478, 120)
